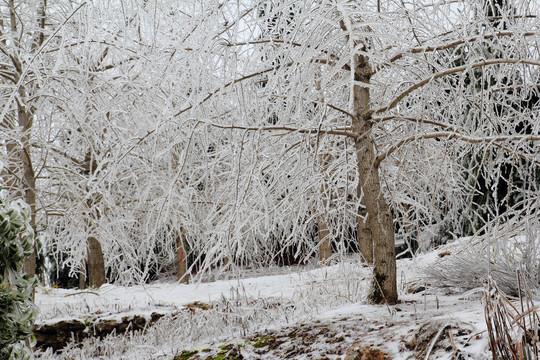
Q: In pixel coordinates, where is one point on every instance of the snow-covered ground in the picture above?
(308, 313)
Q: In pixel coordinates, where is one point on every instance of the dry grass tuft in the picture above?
(512, 325)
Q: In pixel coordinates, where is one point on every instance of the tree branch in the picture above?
(452, 44)
(230, 84)
(414, 120)
(457, 136)
(285, 128)
(58, 151)
(454, 70)
(27, 69)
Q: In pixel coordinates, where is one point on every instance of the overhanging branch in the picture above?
(287, 129)
(230, 83)
(454, 70)
(424, 49)
(447, 135)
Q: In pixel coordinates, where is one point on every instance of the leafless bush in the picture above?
(498, 253)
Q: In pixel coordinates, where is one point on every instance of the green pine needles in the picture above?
(17, 311)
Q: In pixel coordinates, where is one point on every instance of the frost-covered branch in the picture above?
(446, 135)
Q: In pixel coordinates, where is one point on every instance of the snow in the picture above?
(319, 301)
(166, 296)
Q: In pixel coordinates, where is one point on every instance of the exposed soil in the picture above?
(58, 335)
(349, 338)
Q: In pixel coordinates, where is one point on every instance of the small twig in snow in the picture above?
(82, 292)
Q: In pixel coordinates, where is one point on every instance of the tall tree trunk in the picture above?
(181, 257)
(26, 187)
(325, 244)
(30, 261)
(82, 276)
(377, 233)
(325, 241)
(22, 184)
(96, 263)
(181, 244)
(29, 180)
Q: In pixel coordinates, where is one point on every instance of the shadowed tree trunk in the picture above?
(22, 185)
(82, 276)
(376, 235)
(325, 246)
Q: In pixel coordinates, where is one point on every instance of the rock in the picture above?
(59, 334)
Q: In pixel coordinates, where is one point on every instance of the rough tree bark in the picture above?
(325, 246)
(26, 120)
(376, 235)
(363, 231)
(96, 263)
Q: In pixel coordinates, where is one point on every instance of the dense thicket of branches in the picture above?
(232, 124)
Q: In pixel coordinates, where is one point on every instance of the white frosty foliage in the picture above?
(230, 123)
(499, 254)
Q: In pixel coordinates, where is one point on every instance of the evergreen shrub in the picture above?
(17, 310)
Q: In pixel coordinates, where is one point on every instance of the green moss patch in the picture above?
(186, 355)
(198, 305)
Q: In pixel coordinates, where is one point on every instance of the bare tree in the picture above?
(22, 34)
(392, 95)
(208, 137)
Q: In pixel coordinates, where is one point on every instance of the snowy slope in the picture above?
(309, 313)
